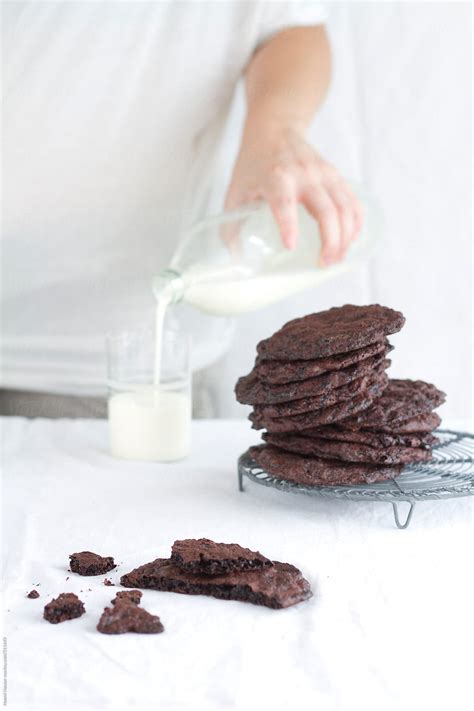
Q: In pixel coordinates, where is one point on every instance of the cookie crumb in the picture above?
(33, 594)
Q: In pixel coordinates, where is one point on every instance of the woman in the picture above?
(114, 113)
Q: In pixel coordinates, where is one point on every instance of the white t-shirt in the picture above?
(112, 115)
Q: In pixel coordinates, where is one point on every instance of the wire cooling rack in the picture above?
(449, 474)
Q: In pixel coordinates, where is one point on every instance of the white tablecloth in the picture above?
(390, 625)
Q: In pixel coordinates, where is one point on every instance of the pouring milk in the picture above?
(235, 262)
(225, 266)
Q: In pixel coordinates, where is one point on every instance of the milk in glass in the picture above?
(152, 421)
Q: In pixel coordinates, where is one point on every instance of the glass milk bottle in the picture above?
(235, 262)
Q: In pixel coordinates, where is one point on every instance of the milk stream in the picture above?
(162, 303)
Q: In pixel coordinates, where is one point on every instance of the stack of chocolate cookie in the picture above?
(331, 414)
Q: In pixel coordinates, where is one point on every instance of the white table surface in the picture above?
(390, 625)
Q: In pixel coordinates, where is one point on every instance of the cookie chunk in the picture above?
(33, 594)
(133, 596)
(317, 471)
(338, 330)
(250, 390)
(66, 606)
(275, 372)
(280, 585)
(125, 616)
(347, 451)
(88, 563)
(402, 400)
(328, 398)
(204, 557)
(327, 415)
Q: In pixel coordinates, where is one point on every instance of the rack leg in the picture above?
(241, 479)
(408, 518)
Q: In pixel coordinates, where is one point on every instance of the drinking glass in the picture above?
(149, 416)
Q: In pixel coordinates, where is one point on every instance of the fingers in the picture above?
(358, 215)
(230, 231)
(284, 205)
(286, 176)
(350, 205)
(320, 205)
(346, 217)
(334, 202)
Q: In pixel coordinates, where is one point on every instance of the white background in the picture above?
(398, 119)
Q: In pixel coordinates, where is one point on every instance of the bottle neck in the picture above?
(168, 282)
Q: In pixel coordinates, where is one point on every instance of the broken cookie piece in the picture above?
(66, 606)
(126, 616)
(133, 596)
(277, 586)
(88, 563)
(202, 556)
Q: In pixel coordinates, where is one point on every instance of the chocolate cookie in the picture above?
(325, 416)
(133, 596)
(338, 330)
(337, 433)
(277, 586)
(315, 471)
(417, 425)
(356, 388)
(88, 563)
(401, 401)
(125, 617)
(204, 557)
(252, 391)
(280, 372)
(66, 606)
(347, 451)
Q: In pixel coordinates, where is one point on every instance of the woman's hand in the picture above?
(276, 164)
